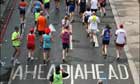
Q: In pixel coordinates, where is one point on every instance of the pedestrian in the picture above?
(47, 42)
(86, 16)
(41, 25)
(37, 5)
(106, 34)
(31, 44)
(82, 4)
(102, 4)
(16, 42)
(58, 75)
(46, 7)
(93, 27)
(65, 36)
(71, 9)
(22, 8)
(94, 5)
(36, 15)
(120, 40)
(65, 22)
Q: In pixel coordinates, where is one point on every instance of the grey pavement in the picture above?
(85, 64)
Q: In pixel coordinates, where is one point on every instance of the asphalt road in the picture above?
(85, 64)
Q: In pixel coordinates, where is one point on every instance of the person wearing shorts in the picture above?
(16, 42)
(94, 5)
(93, 27)
(82, 7)
(86, 16)
(65, 37)
(41, 23)
(120, 40)
(31, 44)
(102, 4)
(22, 9)
(47, 42)
(71, 9)
(37, 5)
(47, 6)
(106, 34)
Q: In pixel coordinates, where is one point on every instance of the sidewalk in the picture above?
(128, 14)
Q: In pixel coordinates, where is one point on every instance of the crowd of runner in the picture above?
(87, 10)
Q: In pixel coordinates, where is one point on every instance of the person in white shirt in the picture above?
(86, 16)
(120, 40)
(65, 22)
(93, 27)
(94, 5)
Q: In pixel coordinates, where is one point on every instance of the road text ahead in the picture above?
(84, 72)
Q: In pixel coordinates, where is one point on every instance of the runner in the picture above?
(94, 5)
(57, 4)
(36, 15)
(41, 25)
(82, 4)
(16, 42)
(71, 9)
(22, 9)
(93, 28)
(65, 36)
(120, 40)
(31, 44)
(46, 39)
(37, 5)
(102, 4)
(106, 34)
(65, 21)
(46, 7)
(67, 4)
(86, 16)
(57, 76)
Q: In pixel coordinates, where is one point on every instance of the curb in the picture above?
(131, 63)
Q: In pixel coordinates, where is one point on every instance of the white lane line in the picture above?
(71, 43)
(96, 41)
(72, 76)
(12, 72)
(131, 63)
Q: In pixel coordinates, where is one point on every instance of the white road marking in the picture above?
(112, 73)
(72, 77)
(96, 41)
(131, 63)
(120, 66)
(71, 43)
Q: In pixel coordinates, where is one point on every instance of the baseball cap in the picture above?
(32, 30)
(47, 30)
(121, 26)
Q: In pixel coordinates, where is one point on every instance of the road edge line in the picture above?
(131, 63)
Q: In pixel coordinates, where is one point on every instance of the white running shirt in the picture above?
(121, 34)
(93, 25)
(94, 4)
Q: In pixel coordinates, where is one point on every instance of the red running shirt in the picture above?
(31, 39)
